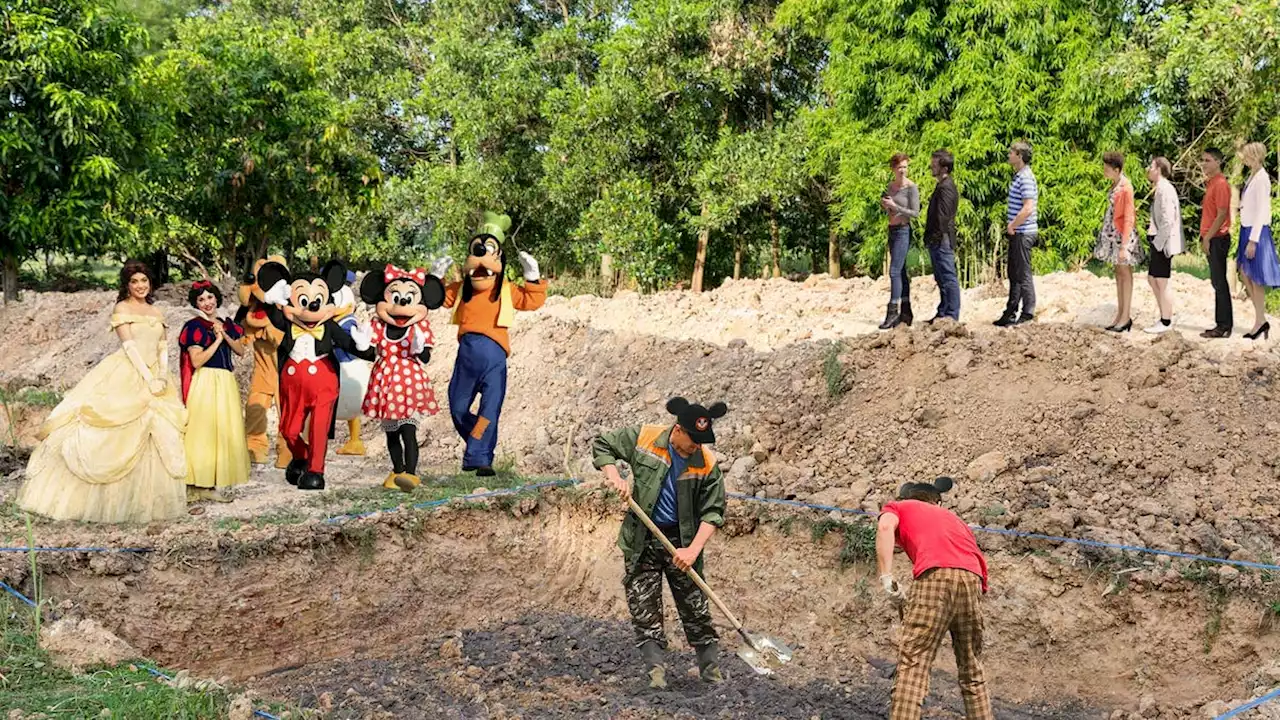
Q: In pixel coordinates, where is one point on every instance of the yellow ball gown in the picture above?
(111, 451)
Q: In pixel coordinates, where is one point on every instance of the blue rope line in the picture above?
(463, 498)
(1032, 536)
(17, 594)
(1250, 705)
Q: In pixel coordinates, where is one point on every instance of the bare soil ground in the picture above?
(1057, 427)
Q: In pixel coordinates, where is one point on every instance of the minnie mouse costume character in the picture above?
(399, 389)
(302, 307)
(484, 308)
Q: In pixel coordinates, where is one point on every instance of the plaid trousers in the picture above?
(941, 600)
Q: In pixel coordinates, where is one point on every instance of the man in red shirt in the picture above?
(1215, 239)
(950, 578)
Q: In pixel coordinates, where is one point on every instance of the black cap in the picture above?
(695, 419)
(937, 487)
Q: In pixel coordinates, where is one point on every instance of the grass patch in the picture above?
(36, 397)
(833, 370)
(29, 682)
(859, 540)
(570, 286)
(1213, 625)
(379, 499)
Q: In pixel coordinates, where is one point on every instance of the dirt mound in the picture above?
(80, 644)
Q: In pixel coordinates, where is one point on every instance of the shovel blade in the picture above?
(765, 654)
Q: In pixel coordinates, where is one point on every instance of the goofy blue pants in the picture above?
(481, 369)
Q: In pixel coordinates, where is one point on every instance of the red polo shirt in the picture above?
(934, 537)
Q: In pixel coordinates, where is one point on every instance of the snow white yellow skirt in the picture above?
(217, 450)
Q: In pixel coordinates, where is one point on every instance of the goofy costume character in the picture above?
(302, 307)
(264, 387)
(484, 306)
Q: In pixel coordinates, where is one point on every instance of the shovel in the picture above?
(763, 653)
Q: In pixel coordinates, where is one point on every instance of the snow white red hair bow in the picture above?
(202, 285)
(392, 272)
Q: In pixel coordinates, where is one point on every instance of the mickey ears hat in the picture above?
(695, 419)
(495, 225)
(938, 486)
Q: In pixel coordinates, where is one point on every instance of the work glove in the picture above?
(362, 335)
(441, 266)
(896, 594)
(530, 266)
(278, 294)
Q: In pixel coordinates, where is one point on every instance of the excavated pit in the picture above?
(518, 611)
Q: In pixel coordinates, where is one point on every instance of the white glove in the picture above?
(363, 336)
(530, 267)
(418, 342)
(131, 352)
(896, 594)
(441, 266)
(278, 294)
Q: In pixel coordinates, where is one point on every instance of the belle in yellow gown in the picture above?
(112, 450)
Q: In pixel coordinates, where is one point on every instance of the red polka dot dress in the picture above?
(399, 389)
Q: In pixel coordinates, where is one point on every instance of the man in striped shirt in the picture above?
(1022, 231)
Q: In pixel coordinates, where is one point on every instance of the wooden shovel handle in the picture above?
(693, 574)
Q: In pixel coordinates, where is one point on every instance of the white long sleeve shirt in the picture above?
(1255, 201)
(1166, 219)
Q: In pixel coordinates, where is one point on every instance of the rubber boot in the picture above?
(390, 482)
(907, 316)
(653, 656)
(407, 482)
(709, 663)
(354, 445)
(892, 317)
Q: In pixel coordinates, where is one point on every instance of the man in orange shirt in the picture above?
(484, 305)
(1215, 238)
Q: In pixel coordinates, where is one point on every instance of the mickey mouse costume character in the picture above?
(302, 307)
(946, 597)
(679, 485)
(484, 308)
(399, 391)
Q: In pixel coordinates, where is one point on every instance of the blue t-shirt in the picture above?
(1022, 189)
(664, 513)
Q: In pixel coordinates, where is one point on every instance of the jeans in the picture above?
(1022, 289)
(899, 281)
(480, 369)
(1219, 248)
(943, 258)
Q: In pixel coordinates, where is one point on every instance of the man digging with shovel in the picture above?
(677, 483)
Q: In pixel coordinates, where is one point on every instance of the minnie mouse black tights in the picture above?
(403, 446)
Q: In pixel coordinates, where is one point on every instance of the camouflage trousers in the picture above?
(643, 586)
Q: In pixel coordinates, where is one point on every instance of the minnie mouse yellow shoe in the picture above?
(390, 482)
(407, 482)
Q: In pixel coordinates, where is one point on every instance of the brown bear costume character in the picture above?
(302, 308)
(264, 387)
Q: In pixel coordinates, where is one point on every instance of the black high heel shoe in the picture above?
(1264, 331)
(1122, 328)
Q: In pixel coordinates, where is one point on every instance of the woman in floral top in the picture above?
(1118, 241)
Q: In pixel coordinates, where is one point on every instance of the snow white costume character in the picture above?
(112, 450)
(400, 392)
(484, 306)
(217, 449)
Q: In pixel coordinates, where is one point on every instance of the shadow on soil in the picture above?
(558, 666)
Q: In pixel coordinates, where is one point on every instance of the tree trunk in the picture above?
(606, 272)
(833, 252)
(773, 236)
(737, 261)
(700, 260)
(10, 284)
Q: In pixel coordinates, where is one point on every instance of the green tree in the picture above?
(75, 128)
